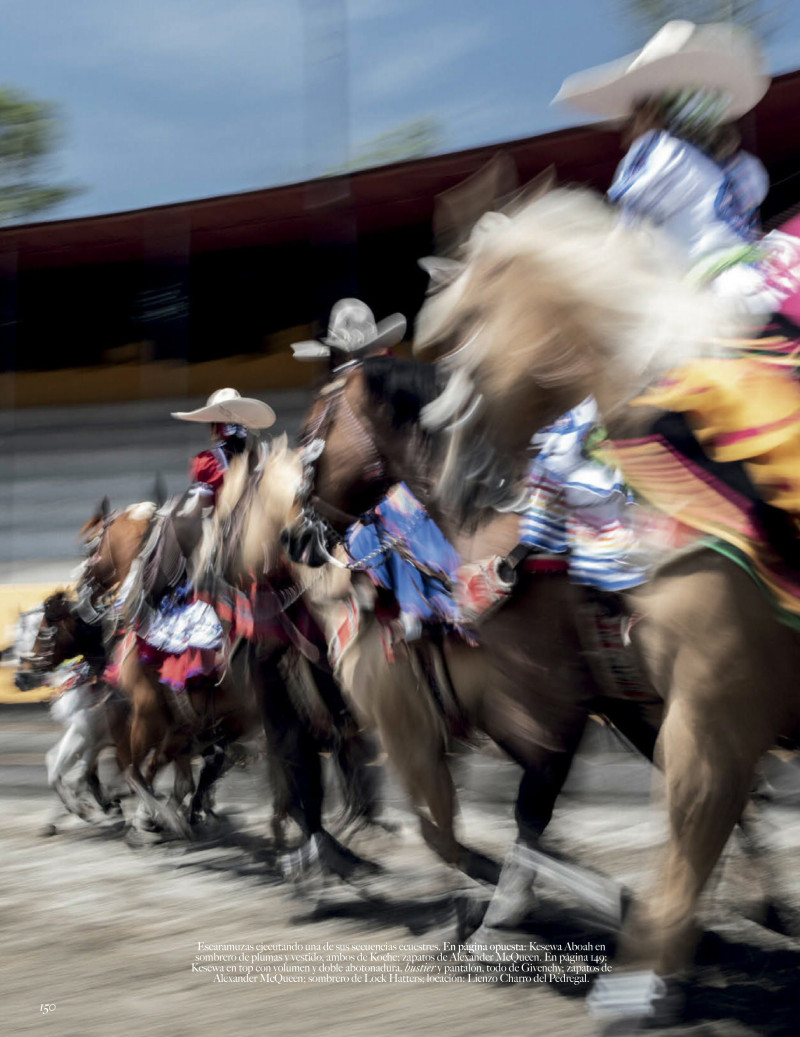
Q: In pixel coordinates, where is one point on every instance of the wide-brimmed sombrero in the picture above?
(719, 57)
(227, 407)
(353, 331)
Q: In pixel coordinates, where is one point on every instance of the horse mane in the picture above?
(278, 477)
(141, 512)
(404, 387)
(562, 288)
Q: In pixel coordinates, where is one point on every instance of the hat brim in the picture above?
(612, 91)
(390, 331)
(244, 411)
(310, 350)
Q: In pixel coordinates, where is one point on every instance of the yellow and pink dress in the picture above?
(742, 407)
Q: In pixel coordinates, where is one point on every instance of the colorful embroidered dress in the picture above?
(710, 210)
(581, 506)
(742, 408)
(406, 552)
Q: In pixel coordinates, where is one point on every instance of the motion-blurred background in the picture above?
(186, 188)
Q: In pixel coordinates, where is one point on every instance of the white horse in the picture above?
(91, 715)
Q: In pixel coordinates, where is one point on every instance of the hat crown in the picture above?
(679, 36)
(669, 39)
(222, 396)
(352, 324)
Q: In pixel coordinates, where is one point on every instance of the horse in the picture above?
(303, 718)
(137, 555)
(113, 541)
(364, 435)
(550, 303)
(95, 715)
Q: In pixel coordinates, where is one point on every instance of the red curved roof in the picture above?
(381, 199)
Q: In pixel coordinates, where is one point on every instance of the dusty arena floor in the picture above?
(99, 937)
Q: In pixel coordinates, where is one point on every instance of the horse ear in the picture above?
(104, 508)
(543, 183)
(159, 491)
(458, 209)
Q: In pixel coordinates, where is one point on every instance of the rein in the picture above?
(315, 440)
(313, 506)
(88, 587)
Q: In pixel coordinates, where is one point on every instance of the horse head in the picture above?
(51, 642)
(112, 541)
(362, 435)
(555, 301)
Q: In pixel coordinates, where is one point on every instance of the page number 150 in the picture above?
(45, 1009)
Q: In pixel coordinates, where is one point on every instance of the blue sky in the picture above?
(165, 100)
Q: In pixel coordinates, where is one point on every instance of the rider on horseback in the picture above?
(230, 416)
(180, 633)
(684, 169)
(733, 416)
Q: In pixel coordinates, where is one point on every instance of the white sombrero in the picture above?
(353, 330)
(681, 54)
(227, 407)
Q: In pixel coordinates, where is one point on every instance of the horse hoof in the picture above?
(137, 836)
(469, 917)
(298, 865)
(46, 831)
(633, 1001)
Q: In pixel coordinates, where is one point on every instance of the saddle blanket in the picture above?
(406, 552)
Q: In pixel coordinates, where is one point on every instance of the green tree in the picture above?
(29, 134)
(414, 139)
(757, 15)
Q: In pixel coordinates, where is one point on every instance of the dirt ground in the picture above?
(107, 933)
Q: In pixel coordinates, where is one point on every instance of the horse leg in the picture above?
(59, 760)
(175, 749)
(422, 768)
(544, 774)
(97, 736)
(296, 752)
(774, 912)
(414, 737)
(355, 753)
(216, 762)
(292, 746)
(708, 772)
(295, 755)
(708, 780)
(545, 771)
(183, 784)
(149, 729)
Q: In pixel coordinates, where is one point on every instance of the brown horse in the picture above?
(144, 554)
(552, 303)
(531, 695)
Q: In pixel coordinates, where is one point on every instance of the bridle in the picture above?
(89, 589)
(41, 661)
(316, 512)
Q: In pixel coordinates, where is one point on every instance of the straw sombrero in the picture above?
(681, 54)
(227, 407)
(352, 332)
